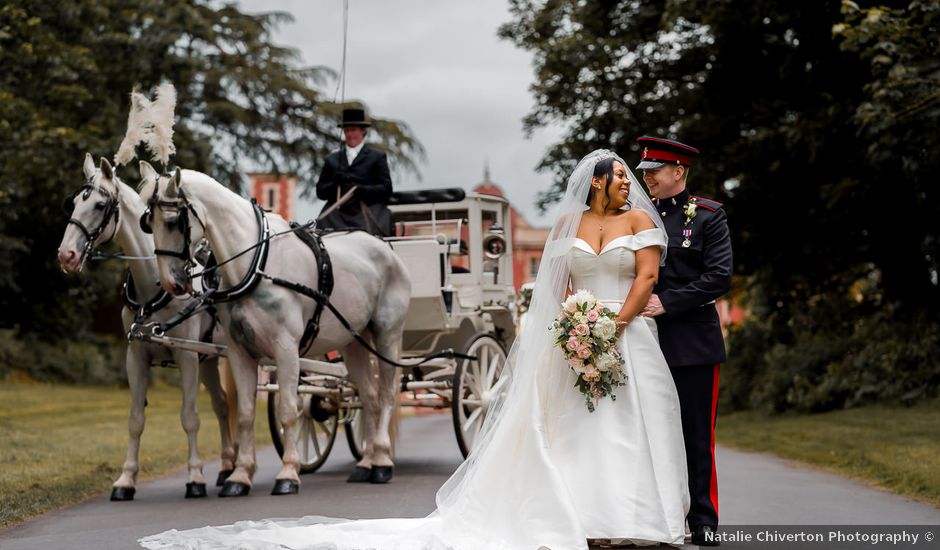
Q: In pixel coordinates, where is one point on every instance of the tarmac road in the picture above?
(754, 489)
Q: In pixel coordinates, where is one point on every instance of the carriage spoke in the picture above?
(494, 373)
(472, 420)
(482, 367)
(471, 403)
(316, 438)
(304, 436)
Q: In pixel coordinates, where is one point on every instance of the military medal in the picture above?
(689, 212)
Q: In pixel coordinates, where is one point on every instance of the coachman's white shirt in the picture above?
(353, 152)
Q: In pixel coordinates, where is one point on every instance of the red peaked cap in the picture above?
(659, 151)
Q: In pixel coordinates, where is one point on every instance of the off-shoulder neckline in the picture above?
(606, 247)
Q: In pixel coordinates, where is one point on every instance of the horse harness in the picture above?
(111, 210)
(255, 273)
(321, 295)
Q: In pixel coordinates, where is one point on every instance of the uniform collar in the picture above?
(673, 203)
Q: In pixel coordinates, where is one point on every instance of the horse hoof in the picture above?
(195, 490)
(121, 494)
(234, 489)
(223, 476)
(285, 487)
(359, 475)
(381, 474)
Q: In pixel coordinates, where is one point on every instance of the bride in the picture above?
(545, 472)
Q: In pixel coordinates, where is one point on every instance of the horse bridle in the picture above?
(111, 210)
(183, 207)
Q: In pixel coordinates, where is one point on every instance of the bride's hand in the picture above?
(621, 326)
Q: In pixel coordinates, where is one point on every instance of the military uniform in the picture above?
(697, 272)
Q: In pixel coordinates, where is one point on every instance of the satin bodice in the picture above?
(609, 274)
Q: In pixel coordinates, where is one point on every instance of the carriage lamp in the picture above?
(494, 244)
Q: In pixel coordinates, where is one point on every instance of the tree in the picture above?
(817, 122)
(68, 69)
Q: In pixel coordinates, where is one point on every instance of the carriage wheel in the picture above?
(319, 421)
(355, 431)
(473, 387)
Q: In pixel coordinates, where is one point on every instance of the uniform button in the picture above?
(663, 213)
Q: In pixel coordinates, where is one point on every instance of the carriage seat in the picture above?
(427, 196)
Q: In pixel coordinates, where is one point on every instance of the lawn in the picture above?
(895, 448)
(60, 445)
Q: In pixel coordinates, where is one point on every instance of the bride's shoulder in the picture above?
(639, 221)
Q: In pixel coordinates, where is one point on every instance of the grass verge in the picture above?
(894, 448)
(60, 445)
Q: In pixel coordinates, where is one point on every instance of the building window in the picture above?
(533, 267)
(272, 198)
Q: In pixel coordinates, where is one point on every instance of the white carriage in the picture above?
(459, 255)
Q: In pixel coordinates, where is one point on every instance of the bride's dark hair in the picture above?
(601, 169)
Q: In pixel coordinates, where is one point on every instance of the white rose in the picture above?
(557, 331)
(604, 328)
(606, 362)
(585, 297)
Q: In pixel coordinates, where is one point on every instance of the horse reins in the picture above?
(256, 273)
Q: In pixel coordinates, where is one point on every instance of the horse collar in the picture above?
(258, 262)
(145, 310)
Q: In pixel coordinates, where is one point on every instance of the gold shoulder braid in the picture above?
(689, 212)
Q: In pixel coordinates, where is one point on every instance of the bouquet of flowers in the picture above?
(586, 332)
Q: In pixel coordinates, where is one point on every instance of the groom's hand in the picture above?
(653, 308)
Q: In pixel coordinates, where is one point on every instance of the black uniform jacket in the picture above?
(367, 209)
(692, 279)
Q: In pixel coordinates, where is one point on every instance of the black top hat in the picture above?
(660, 151)
(354, 117)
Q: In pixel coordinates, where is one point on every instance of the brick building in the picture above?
(274, 192)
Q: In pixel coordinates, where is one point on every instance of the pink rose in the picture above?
(584, 352)
(572, 333)
(582, 329)
(599, 307)
(572, 307)
(592, 315)
(575, 363)
(573, 344)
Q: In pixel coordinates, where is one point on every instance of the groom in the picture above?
(696, 273)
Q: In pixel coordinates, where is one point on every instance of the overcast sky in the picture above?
(439, 66)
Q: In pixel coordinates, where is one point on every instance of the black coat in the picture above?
(367, 209)
(690, 282)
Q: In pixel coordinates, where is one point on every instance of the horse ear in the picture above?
(89, 166)
(106, 169)
(147, 172)
(172, 187)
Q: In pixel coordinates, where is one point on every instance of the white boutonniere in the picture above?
(690, 210)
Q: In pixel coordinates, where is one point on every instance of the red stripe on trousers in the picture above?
(713, 486)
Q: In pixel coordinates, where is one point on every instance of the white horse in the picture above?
(104, 209)
(267, 320)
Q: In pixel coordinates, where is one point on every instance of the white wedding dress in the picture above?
(552, 473)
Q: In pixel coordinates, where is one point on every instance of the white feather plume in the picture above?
(150, 123)
(159, 138)
(137, 123)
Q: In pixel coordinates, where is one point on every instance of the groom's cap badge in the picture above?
(658, 152)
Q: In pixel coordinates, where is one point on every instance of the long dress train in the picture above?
(552, 474)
